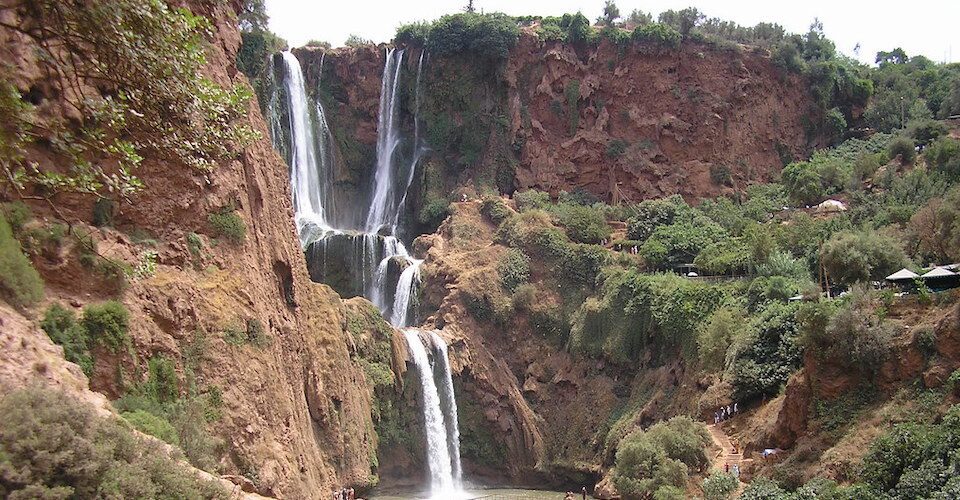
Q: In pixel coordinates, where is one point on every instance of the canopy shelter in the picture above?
(938, 272)
(903, 275)
(941, 278)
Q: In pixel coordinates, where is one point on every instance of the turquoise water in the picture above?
(491, 494)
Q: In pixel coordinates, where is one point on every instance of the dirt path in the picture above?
(727, 456)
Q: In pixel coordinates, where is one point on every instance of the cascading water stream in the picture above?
(372, 247)
(443, 455)
(309, 156)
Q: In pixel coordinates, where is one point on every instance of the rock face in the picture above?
(297, 411)
(651, 124)
(616, 122)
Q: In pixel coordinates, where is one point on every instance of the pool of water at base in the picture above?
(480, 494)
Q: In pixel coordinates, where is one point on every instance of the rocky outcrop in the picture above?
(297, 410)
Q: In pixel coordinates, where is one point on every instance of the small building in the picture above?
(903, 279)
(941, 278)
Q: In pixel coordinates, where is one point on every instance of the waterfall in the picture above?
(361, 255)
(448, 402)
(444, 472)
(406, 288)
(310, 165)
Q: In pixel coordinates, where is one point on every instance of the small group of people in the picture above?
(344, 494)
(725, 412)
(571, 496)
(735, 470)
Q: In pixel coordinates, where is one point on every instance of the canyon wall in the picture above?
(296, 411)
(617, 122)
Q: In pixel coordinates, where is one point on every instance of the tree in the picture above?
(355, 40)
(469, 7)
(610, 13)
(895, 56)
(637, 18)
(856, 256)
(684, 20)
(145, 61)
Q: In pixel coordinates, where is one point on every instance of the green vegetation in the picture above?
(719, 486)
(52, 446)
(20, 284)
(62, 327)
(228, 224)
(162, 105)
(655, 462)
(106, 323)
(247, 332)
(514, 269)
(486, 37)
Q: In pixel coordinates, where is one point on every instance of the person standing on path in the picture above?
(584, 490)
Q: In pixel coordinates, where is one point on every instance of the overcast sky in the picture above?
(919, 27)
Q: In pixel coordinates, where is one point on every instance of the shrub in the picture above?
(616, 148)
(802, 182)
(904, 148)
(770, 354)
(857, 333)
(532, 199)
(17, 214)
(103, 212)
(60, 324)
(56, 447)
(514, 269)
(433, 213)
(106, 324)
(656, 462)
(719, 486)
(582, 263)
(925, 131)
(20, 283)
(494, 209)
(717, 334)
(148, 423)
(162, 382)
(720, 175)
(944, 155)
(680, 242)
(227, 223)
(583, 224)
(658, 35)
(651, 214)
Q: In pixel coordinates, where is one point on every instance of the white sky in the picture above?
(919, 27)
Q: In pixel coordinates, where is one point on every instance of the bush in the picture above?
(148, 423)
(20, 283)
(655, 462)
(583, 224)
(433, 213)
(228, 224)
(17, 214)
(858, 335)
(494, 209)
(944, 155)
(904, 148)
(52, 446)
(651, 214)
(916, 460)
(924, 132)
(514, 269)
(532, 199)
(770, 354)
(106, 324)
(616, 148)
(719, 486)
(680, 242)
(717, 334)
(658, 35)
(60, 324)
